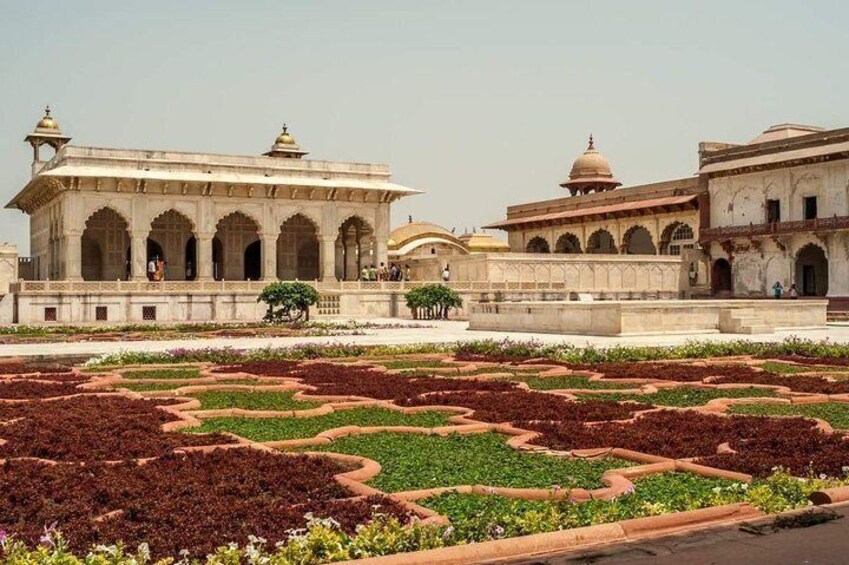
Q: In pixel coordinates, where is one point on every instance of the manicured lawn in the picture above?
(479, 517)
(835, 413)
(175, 373)
(271, 429)
(684, 396)
(252, 400)
(568, 381)
(411, 461)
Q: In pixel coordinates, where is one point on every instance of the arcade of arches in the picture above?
(637, 240)
(236, 251)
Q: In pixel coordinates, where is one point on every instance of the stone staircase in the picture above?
(837, 316)
(742, 321)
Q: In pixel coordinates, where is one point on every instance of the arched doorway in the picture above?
(721, 280)
(353, 248)
(537, 245)
(191, 253)
(601, 241)
(638, 241)
(568, 243)
(812, 271)
(235, 233)
(297, 249)
(103, 247)
(171, 232)
(677, 237)
(253, 261)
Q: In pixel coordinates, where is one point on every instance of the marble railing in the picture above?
(82, 287)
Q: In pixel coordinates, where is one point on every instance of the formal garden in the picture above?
(316, 454)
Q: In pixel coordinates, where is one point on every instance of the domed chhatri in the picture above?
(285, 146)
(590, 173)
(47, 122)
(46, 132)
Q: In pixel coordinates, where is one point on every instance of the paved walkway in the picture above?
(823, 544)
(439, 332)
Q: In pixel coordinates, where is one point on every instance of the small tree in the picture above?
(288, 301)
(432, 301)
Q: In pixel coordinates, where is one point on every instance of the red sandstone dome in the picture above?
(590, 173)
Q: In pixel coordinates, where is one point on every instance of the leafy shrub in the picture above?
(288, 301)
(432, 301)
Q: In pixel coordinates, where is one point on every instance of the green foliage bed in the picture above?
(569, 381)
(252, 400)
(272, 429)
(683, 396)
(413, 462)
(167, 373)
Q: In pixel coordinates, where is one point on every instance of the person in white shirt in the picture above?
(151, 269)
(446, 274)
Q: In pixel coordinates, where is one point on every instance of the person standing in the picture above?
(372, 273)
(446, 273)
(408, 275)
(151, 268)
(364, 273)
(777, 289)
(794, 294)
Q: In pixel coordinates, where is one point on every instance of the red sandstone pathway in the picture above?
(824, 544)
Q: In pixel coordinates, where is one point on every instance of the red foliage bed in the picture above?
(330, 379)
(681, 372)
(762, 443)
(91, 428)
(27, 389)
(181, 501)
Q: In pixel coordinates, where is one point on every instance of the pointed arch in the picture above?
(638, 241)
(298, 248)
(812, 270)
(568, 243)
(168, 239)
(537, 244)
(239, 258)
(354, 247)
(601, 241)
(104, 246)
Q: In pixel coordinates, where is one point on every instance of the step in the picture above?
(756, 329)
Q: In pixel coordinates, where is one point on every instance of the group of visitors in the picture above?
(382, 273)
(778, 290)
(156, 269)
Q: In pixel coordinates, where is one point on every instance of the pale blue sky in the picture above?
(480, 103)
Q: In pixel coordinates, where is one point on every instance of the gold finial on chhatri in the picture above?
(590, 146)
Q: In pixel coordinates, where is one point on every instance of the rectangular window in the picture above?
(810, 207)
(149, 313)
(50, 314)
(100, 313)
(773, 211)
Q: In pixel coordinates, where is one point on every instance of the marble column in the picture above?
(327, 256)
(72, 243)
(138, 256)
(269, 257)
(381, 251)
(204, 256)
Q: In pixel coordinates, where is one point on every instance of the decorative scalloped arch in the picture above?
(303, 213)
(595, 234)
(629, 233)
(363, 219)
(560, 245)
(162, 209)
(100, 207)
(231, 211)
